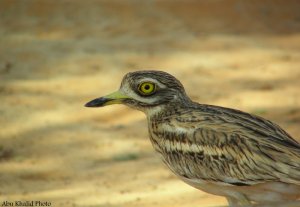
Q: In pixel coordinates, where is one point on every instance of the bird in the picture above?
(222, 151)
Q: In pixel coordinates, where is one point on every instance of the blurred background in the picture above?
(57, 55)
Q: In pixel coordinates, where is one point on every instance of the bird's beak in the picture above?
(114, 98)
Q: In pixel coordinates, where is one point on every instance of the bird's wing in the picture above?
(238, 148)
(258, 125)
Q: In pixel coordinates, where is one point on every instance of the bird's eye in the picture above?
(147, 88)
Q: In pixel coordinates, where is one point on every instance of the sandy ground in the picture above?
(57, 55)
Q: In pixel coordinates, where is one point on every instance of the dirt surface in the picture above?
(57, 55)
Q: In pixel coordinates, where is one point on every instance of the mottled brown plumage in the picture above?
(219, 150)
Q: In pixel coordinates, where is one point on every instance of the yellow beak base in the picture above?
(114, 98)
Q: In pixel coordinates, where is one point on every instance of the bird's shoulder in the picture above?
(259, 149)
(231, 122)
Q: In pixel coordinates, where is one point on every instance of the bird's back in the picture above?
(226, 146)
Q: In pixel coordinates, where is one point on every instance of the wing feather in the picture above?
(233, 147)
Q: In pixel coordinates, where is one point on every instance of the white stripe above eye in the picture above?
(127, 90)
(160, 85)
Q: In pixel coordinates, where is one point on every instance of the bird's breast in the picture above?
(181, 155)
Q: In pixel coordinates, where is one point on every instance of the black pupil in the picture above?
(147, 87)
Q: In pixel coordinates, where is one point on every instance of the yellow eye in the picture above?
(147, 88)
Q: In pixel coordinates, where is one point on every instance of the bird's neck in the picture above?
(155, 111)
(162, 111)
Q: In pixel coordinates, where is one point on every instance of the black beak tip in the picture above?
(94, 103)
(88, 104)
(98, 102)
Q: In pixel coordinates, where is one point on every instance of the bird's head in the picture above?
(146, 91)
